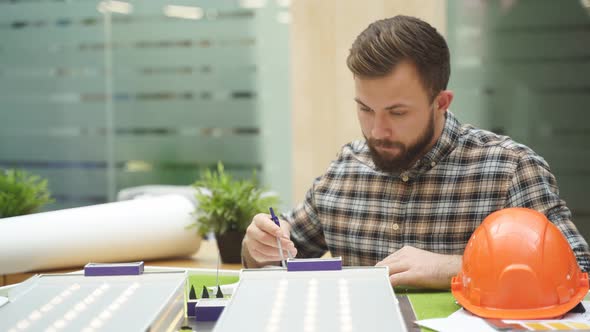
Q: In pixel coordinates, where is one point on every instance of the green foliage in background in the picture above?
(231, 204)
(21, 193)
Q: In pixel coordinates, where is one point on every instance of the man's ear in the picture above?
(444, 99)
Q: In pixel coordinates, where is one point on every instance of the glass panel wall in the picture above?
(522, 68)
(101, 96)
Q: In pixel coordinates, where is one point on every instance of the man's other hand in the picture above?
(419, 268)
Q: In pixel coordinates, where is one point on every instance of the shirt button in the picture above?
(395, 227)
(433, 163)
(405, 177)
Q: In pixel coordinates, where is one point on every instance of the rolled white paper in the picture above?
(140, 229)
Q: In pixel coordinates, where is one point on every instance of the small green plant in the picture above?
(21, 193)
(227, 203)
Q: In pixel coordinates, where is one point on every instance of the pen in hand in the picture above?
(276, 221)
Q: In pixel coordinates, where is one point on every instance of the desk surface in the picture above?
(206, 257)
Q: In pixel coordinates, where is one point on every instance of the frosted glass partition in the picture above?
(100, 96)
(522, 68)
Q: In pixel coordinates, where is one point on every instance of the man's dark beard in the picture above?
(408, 155)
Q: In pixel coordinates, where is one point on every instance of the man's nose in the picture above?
(381, 126)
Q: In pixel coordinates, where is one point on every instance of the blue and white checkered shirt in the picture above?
(362, 214)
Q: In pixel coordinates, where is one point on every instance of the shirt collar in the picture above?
(444, 145)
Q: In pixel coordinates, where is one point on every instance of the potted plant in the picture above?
(21, 193)
(226, 207)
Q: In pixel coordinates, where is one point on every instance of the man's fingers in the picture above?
(264, 223)
(267, 231)
(260, 257)
(390, 260)
(290, 249)
(266, 253)
(262, 237)
(401, 279)
(284, 233)
(270, 240)
(395, 267)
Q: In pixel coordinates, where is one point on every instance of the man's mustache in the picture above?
(381, 143)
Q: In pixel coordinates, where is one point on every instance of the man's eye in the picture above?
(364, 109)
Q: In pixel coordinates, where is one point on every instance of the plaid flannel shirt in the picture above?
(362, 214)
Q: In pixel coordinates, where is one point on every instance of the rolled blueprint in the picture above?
(139, 229)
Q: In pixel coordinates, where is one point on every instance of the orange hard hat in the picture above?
(518, 265)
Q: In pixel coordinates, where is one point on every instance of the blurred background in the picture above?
(98, 96)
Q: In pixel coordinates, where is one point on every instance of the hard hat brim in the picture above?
(536, 313)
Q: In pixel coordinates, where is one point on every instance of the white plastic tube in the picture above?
(140, 229)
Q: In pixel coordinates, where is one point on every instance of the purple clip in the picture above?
(314, 264)
(190, 307)
(113, 269)
(209, 310)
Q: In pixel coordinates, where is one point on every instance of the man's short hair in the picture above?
(385, 43)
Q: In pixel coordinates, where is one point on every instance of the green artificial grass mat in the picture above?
(198, 281)
(433, 304)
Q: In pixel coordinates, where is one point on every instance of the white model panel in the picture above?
(359, 299)
(151, 301)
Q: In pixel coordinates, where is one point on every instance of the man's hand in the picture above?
(260, 246)
(415, 267)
